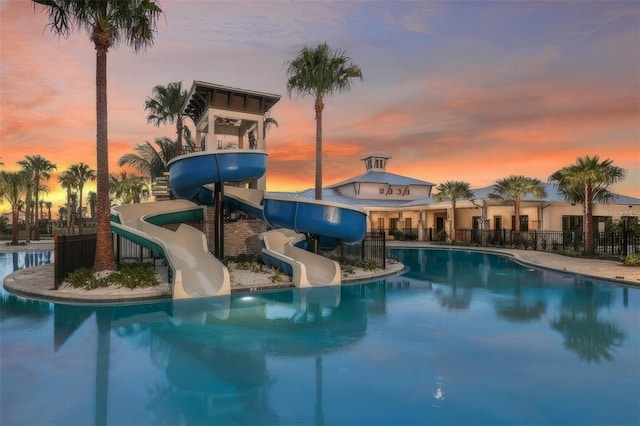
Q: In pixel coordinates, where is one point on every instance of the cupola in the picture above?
(376, 162)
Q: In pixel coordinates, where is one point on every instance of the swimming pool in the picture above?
(460, 338)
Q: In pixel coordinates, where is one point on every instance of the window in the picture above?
(407, 225)
(572, 223)
(475, 221)
(393, 224)
(524, 223)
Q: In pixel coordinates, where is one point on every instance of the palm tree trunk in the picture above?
(453, 221)
(15, 226)
(80, 211)
(27, 215)
(516, 213)
(319, 106)
(36, 235)
(589, 243)
(104, 244)
(179, 128)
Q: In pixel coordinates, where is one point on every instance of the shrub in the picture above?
(632, 259)
(134, 276)
(130, 276)
(442, 236)
(84, 278)
(276, 277)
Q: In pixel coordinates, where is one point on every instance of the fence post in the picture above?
(383, 237)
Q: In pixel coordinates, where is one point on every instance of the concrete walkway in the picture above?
(37, 282)
(602, 269)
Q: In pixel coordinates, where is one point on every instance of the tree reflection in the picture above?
(591, 339)
(518, 309)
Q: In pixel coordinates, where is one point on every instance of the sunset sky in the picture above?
(472, 91)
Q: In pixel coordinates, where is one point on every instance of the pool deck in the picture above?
(37, 282)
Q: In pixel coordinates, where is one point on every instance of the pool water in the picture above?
(461, 338)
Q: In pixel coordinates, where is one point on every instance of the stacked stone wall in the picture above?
(241, 237)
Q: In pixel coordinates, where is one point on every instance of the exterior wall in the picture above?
(507, 212)
(553, 214)
(241, 237)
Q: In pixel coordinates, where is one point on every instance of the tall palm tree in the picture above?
(515, 188)
(149, 160)
(68, 181)
(453, 190)
(107, 22)
(584, 182)
(48, 205)
(13, 186)
(39, 168)
(82, 174)
(92, 204)
(165, 107)
(320, 72)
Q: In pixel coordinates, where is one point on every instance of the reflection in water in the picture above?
(13, 307)
(257, 358)
(584, 333)
(216, 368)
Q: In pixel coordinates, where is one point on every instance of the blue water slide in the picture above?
(192, 176)
(323, 218)
(189, 173)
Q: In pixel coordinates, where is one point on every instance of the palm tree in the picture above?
(107, 22)
(48, 205)
(13, 186)
(82, 174)
(68, 181)
(266, 125)
(39, 169)
(584, 182)
(320, 72)
(165, 107)
(515, 188)
(149, 160)
(129, 188)
(92, 204)
(453, 191)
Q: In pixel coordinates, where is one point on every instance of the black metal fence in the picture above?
(126, 251)
(72, 252)
(606, 243)
(373, 247)
(400, 234)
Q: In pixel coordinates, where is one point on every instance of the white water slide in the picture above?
(307, 269)
(197, 273)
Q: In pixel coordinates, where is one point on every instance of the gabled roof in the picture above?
(383, 178)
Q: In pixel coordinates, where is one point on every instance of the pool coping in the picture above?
(36, 282)
(607, 270)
